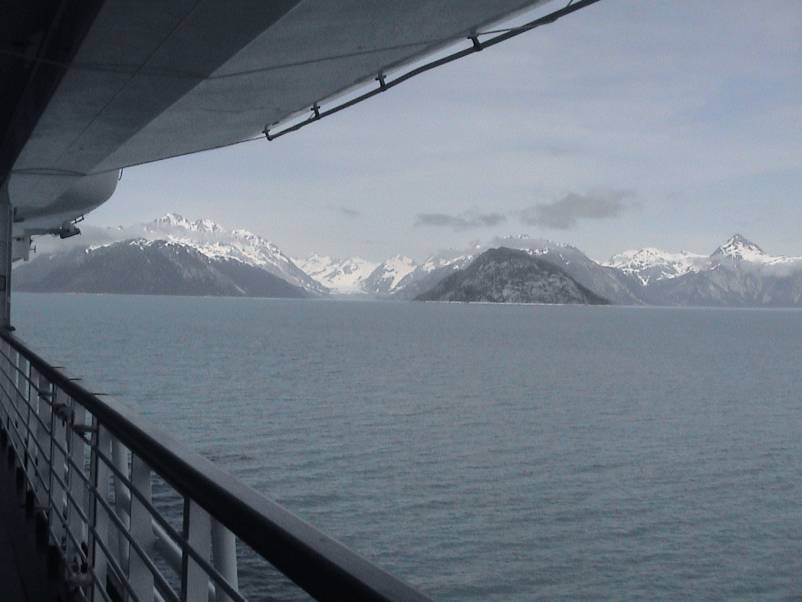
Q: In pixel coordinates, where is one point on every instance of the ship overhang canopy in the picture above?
(93, 87)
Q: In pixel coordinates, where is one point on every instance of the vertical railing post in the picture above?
(5, 376)
(99, 521)
(31, 398)
(76, 447)
(19, 405)
(58, 461)
(12, 398)
(43, 438)
(119, 456)
(141, 529)
(224, 557)
(198, 535)
(4, 383)
(6, 243)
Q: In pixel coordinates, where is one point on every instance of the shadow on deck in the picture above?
(23, 564)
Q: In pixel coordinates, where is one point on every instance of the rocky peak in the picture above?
(739, 247)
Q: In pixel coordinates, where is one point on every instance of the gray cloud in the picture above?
(464, 221)
(346, 211)
(566, 212)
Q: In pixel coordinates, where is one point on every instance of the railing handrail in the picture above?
(319, 564)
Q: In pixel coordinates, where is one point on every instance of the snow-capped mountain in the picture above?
(738, 248)
(433, 269)
(389, 276)
(216, 242)
(340, 276)
(649, 264)
(172, 223)
(737, 274)
(449, 259)
(148, 267)
(398, 277)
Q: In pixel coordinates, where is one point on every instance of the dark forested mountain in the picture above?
(605, 281)
(511, 276)
(142, 266)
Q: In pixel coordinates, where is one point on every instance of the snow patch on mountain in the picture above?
(394, 270)
(389, 276)
(438, 262)
(215, 242)
(341, 276)
(650, 264)
(173, 222)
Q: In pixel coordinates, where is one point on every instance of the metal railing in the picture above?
(88, 466)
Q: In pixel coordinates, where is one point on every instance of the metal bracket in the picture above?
(81, 429)
(63, 411)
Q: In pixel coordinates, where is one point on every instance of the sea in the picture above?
(479, 452)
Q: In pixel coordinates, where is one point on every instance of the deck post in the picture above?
(6, 221)
(141, 529)
(198, 534)
(224, 557)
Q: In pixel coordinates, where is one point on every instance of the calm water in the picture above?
(482, 452)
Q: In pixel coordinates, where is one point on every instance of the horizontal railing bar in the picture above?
(112, 561)
(98, 495)
(64, 521)
(26, 402)
(215, 575)
(317, 563)
(22, 448)
(31, 435)
(80, 472)
(23, 374)
(123, 529)
(75, 504)
(69, 532)
(77, 544)
(174, 535)
(20, 443)
(17, 391)
(37, 474)
(154, 514)
(19, 434)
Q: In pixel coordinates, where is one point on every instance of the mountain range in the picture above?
(174, 255)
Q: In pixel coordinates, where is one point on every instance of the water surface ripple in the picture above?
(482, 452)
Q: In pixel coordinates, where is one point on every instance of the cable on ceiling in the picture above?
(384, 85)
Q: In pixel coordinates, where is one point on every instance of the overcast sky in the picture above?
(627, 124)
